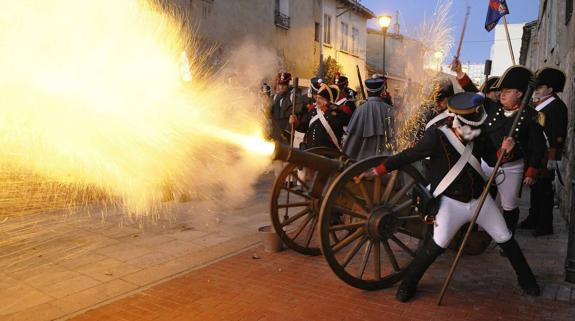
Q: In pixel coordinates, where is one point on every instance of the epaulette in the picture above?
(541, 119)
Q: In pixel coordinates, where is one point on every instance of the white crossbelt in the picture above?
(466, 152)
(341, 101)
(437, 118)
(544, 104)
(326, 125)
(539, 108)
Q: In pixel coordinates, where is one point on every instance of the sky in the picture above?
(477, 42)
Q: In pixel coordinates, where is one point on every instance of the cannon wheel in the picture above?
(369, 232)
(294, 212)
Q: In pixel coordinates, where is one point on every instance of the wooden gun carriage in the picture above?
(368, 232)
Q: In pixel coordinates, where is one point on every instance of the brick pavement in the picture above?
(289, 286)
(53, 265)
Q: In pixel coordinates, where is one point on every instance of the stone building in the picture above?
(293, 29)
(551, 41)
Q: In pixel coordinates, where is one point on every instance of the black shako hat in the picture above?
(552, 77)
(315, 84)
(340, 80)
(375, 84)
(490, 83)
(330, 93)
(443, 89)
(284, 78)
(468, 107)
(515, 77)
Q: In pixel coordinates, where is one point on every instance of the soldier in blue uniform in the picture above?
(523, 163)
(457, 179)
(504, 98)
(553, 117)
(322, 125)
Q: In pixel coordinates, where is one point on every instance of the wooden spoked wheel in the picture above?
(294, 211)
(369, 232)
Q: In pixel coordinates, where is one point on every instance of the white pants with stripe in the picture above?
(508, 181)
(453, 214)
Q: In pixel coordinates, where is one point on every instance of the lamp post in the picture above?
(384, 22)
(439, 57)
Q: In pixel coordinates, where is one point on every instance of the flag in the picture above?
(496, 10)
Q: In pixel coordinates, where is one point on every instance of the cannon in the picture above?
(298, 191)
(368, 232)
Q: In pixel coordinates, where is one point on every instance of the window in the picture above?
(327, 29)
(282, 19)
(568, 11)
(355, 41)
(317, 31)
(206, 7)
(344, 37)
(282, 6)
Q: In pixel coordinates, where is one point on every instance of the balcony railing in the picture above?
(281, 20)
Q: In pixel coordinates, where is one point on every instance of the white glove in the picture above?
(367, 174)
(552, 164)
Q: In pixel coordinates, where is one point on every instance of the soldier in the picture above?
(437, 115)
(370, 128)
(314, 85)
(342, 82)
(323, 125)
(264, 101)
(553, 115)
(346, 99)
(457, 178)
(281, 108)
(522, 164)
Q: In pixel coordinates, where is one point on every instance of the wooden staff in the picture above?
(294, 103)
(483, 197)
(509, 41)
(292, 134)
(360, 83)
(462, 32)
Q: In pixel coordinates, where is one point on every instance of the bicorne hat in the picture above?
(443, 89)
(552, 77)
(340, 80)
(515, 77)
(330, 93)
(315, 84)
(490, 83)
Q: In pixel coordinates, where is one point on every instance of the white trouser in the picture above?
(453, 214)
(508, 181)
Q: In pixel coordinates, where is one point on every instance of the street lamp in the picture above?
(439, 57)
(384, 22)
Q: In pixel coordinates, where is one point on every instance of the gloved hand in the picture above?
(551, 164)
(372, 172)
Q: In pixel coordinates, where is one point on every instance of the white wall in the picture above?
(500, 49)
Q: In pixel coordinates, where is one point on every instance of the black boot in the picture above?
(511, 219)
(525, 276)
(423, 259)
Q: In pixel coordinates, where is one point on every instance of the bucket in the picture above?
(271, 241)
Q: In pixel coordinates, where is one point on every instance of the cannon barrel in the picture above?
(294, 156)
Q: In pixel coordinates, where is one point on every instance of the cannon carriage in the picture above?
(367, 231)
